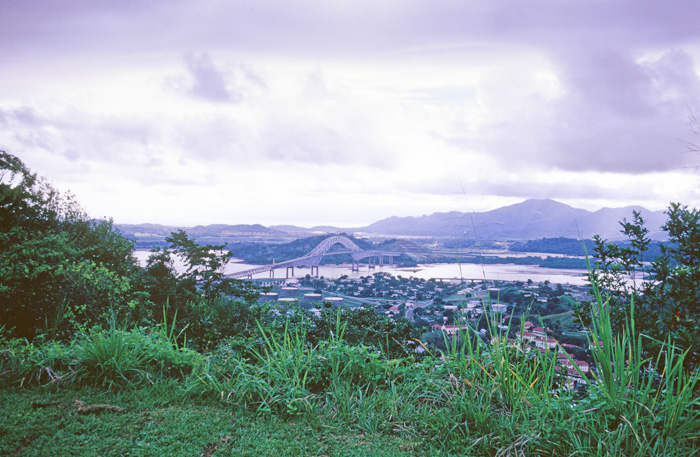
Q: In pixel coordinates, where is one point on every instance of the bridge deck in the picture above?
(313, 258)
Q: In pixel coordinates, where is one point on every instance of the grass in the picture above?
(284, 396)
(160, 425)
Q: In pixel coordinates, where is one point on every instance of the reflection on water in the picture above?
(498, 272)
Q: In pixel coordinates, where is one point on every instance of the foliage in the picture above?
(363, 326)
(656, 397)
(111, 357)
(666, 290)
(472, 399)
(60, 271)
(210, 306)
(182, 349)
(204, 263)
(208, 323)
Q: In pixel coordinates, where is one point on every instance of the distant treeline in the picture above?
(573, 247)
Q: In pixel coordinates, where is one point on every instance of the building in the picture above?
(546, 343)
(450, 329)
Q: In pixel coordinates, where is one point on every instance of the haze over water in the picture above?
(497, 272)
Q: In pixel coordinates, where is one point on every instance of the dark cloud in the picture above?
(208, 82)
(623, 115)
(224, 82)
(617, 112)
(625, 69)
(336, 29)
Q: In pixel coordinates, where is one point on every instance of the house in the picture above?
(525, 336)
(583, 366)
(499, 308)
(539, 332)
(546, 343)
(450, 329)
(572, 376)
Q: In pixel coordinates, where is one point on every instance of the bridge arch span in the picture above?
(331, 241)
(313, 258)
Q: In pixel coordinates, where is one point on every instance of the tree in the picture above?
(665, 292)
(200, 298)
(60, 270)
(205, 264)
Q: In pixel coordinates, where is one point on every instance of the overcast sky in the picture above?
(347, 112)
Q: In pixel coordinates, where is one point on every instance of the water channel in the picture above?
(495, 272)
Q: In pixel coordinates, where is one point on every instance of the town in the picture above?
(537, 318)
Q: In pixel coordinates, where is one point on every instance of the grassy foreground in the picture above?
(37, 422)
(138, 392)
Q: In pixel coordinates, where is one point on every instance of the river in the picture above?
(497, 272)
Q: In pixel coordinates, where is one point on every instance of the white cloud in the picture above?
(351, 111)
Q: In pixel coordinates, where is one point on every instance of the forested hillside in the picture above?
(99, 356)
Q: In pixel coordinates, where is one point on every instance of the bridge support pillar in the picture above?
(272, 274)
(288, 271)
(371, 263)
(381, 260)
(355, 265)
(312, 270)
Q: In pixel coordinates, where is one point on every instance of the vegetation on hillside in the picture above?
(121, 359)
(665, 288)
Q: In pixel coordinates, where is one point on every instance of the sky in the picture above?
(343, 112)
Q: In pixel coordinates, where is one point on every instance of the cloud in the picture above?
(208, 82)
(613, 112)
(403, 100)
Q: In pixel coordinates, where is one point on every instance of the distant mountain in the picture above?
(531, 219)
(528, 220)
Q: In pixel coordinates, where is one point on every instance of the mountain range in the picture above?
(529, 220)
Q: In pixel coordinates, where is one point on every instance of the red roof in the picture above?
(548, 340)
(580, 363)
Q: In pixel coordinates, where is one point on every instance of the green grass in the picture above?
(160, 425)
(282, 395)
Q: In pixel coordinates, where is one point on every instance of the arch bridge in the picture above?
(313, 258)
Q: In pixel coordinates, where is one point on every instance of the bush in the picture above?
(40, 362)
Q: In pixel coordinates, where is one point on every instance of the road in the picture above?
(423, 304)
